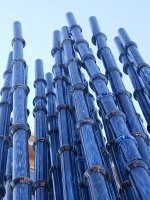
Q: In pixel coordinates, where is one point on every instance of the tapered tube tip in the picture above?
(94, 25)
(56, 39)
(39, 72)
(124, 35)
(10, 59)
(17, 29)
(65, 32)
(71, 19)
(49, 80)
(119, 44)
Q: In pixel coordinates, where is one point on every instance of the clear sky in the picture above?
(40, 18)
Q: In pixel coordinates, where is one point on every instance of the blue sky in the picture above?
(40, 18)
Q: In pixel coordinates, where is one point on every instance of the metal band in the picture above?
(8, 71)
(85, 121)
(121, 139)
(99, 52)
(6, 139)
(79, 86)
(18, 39)
(138, 162)
(40, 80)
(126, 184)
(123, 92)
(86, 57)
(18, 60)
(110, 69)
(62, 107)
(4, 89)
(5, 103)
(20, 86)
(121, 55)
(55, 49)
(98, 76)
(42, 98)
(138, 134)
(59, 65)
(82, 41)
(98, 169)
(15, 127)
(22, 180)
(115, 113)
(66, 147)
(141, 66)
(99, 34)
(126, 66)
(40, 183)
(39, 108)
(2, 190)
(41, 140)
(75, 26)
(67, 40)
(139, 90)
(129, 44)
(61, 77)
(53, 131)
(76, 60)
(54, 168)
(50, 93)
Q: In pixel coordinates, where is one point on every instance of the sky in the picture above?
(39, 18)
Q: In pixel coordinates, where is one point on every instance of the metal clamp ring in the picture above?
(66, 147)
(85, 121)
(129, 44)
(78, 41)
(126, 67)
(124, 92)
(21, 86)
(22, 180)
(79, 86)
(15, 127)
(55, 49)
(138, 162)
(98, 169)
(139, 67)
(18, 39)
(94, 37)
(121, 139)
(139, 90)
(50, 93)
(40, 80)
(39, 108)
(59, 65)
(114, 113)
(41, 140)
(8, 71)
(42, 98)
(18, 60)
(110, 69)
(63, 106)
(75, 26)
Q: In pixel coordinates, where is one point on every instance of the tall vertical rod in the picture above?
(94, 175)
(55, 171)
(122, 95)
(66, 151)
(124, 142)
(41, 143)
(20, 131)
(9, 174)
(140, 92)
(143, 68)
(5, 112)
